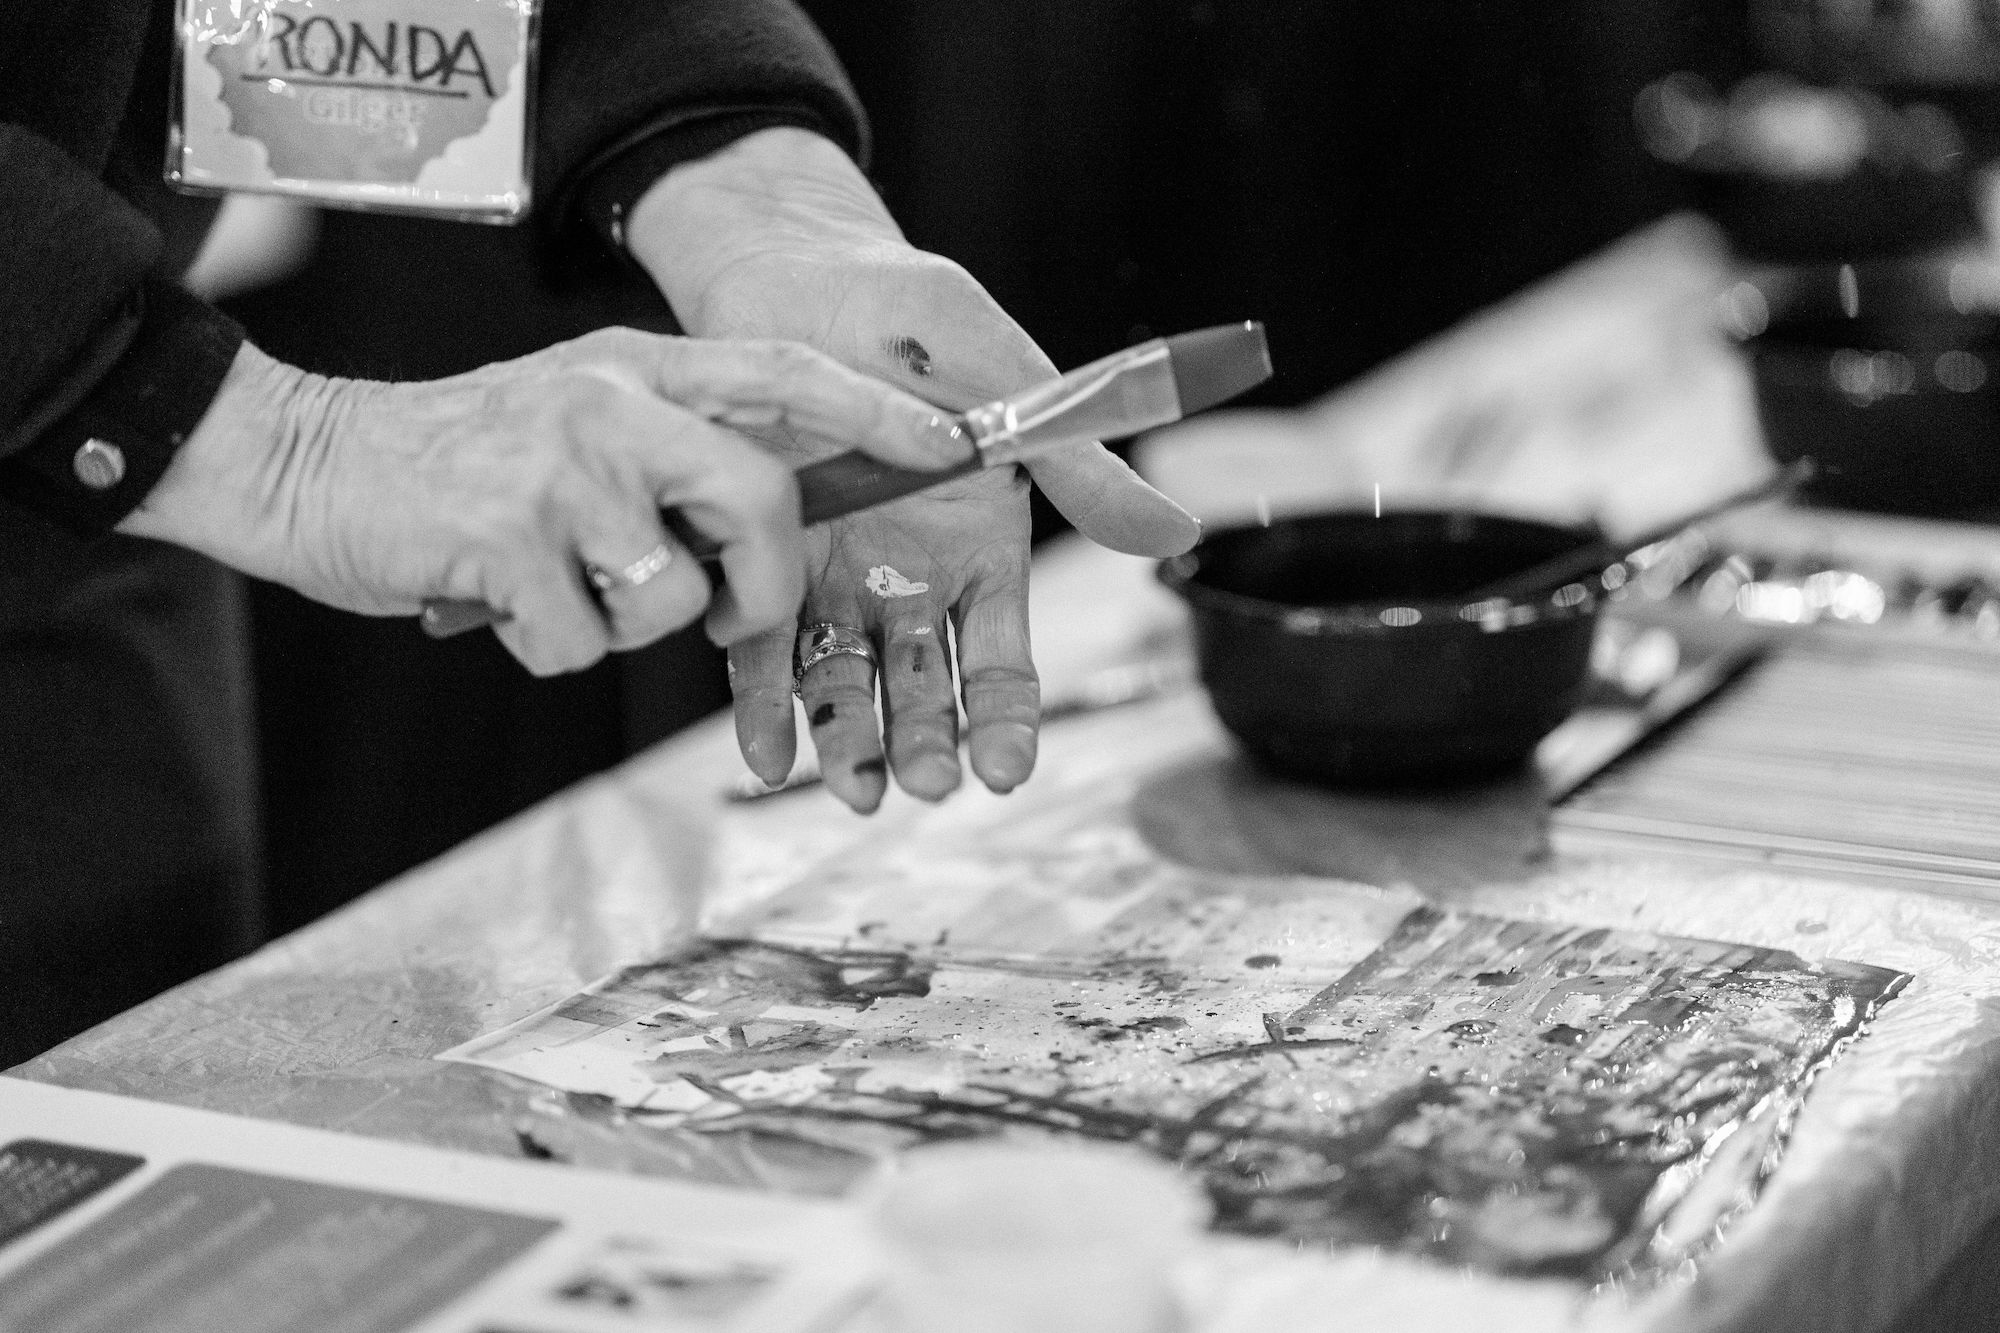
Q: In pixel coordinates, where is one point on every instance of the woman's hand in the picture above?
(504, 485)
(780, 235)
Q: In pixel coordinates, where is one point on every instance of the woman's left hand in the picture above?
(780, 236)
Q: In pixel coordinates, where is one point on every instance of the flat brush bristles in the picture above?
(1214, 365)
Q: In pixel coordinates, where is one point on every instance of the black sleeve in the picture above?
(93, 345)
(632, 87)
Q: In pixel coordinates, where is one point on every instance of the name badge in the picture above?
(407, 106)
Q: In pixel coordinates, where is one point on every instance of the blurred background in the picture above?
(1359, 177)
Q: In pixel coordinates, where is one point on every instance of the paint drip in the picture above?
(886, 583)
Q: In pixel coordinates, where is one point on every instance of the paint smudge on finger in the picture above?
(885, 582)
(911, 355)
(822, 715)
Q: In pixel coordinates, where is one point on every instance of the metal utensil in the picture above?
(1541, 580)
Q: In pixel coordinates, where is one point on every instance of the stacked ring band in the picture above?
(818, 642)
(639, 572)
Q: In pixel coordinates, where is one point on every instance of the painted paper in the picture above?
(1522, 1097)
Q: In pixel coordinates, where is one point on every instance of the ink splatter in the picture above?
(822, 715)
(534, 1149)
(1521, 1097)
(1262, 960)
(912, 355)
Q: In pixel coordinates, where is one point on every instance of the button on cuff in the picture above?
(98, 465)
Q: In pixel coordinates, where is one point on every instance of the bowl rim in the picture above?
(1386, 615)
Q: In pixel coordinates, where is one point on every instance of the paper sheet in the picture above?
(124, 1216)
(1340, 1068)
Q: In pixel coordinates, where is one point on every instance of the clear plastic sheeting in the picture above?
(1892, 1163)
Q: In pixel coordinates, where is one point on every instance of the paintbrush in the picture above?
(1541, 580)
(1151, 384)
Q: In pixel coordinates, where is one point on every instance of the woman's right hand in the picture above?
(501, 486)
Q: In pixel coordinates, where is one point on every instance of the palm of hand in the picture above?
(958, 551)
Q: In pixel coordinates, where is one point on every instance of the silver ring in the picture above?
(636, 574)
(818, 642)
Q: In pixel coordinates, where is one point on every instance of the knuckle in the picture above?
(830, 701)
(761, 691)
(790, 362)
(618, 342)
(1000, 676)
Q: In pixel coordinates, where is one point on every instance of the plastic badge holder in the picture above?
(405, 106)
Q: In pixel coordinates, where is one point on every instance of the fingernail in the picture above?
(950, 439)
(1007, 770)
(931, 777)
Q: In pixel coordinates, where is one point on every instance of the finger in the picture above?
(1111, 504)
(758, 385)
(552, 625)
(1003, 708)
(732, 490)
(919, 706)
(627, 543)
(839, 698)
(760, 683)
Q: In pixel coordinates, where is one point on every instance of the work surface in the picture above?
(1893, 1163)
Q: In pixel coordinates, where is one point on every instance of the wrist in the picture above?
(231, 491)
(780, 191)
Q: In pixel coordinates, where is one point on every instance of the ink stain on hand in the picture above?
(876, 765)
(916, 661)
(912, 355)
(822, 715)
(534, 1149)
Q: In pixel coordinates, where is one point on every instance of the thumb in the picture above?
(1111, 504)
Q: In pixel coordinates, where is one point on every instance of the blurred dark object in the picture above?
(1944, 50)
(1850, 149)
(1337, 647)
(1801, 174)
(126, 785)
(1886, 376)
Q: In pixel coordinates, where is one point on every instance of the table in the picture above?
(1892, 1166)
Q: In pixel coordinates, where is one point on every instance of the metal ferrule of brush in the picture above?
(1125, 392)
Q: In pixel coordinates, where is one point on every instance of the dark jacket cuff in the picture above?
(616, 179)
(103, 436)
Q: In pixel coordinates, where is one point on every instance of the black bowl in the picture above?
(1338, 647)
(1901, 412)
